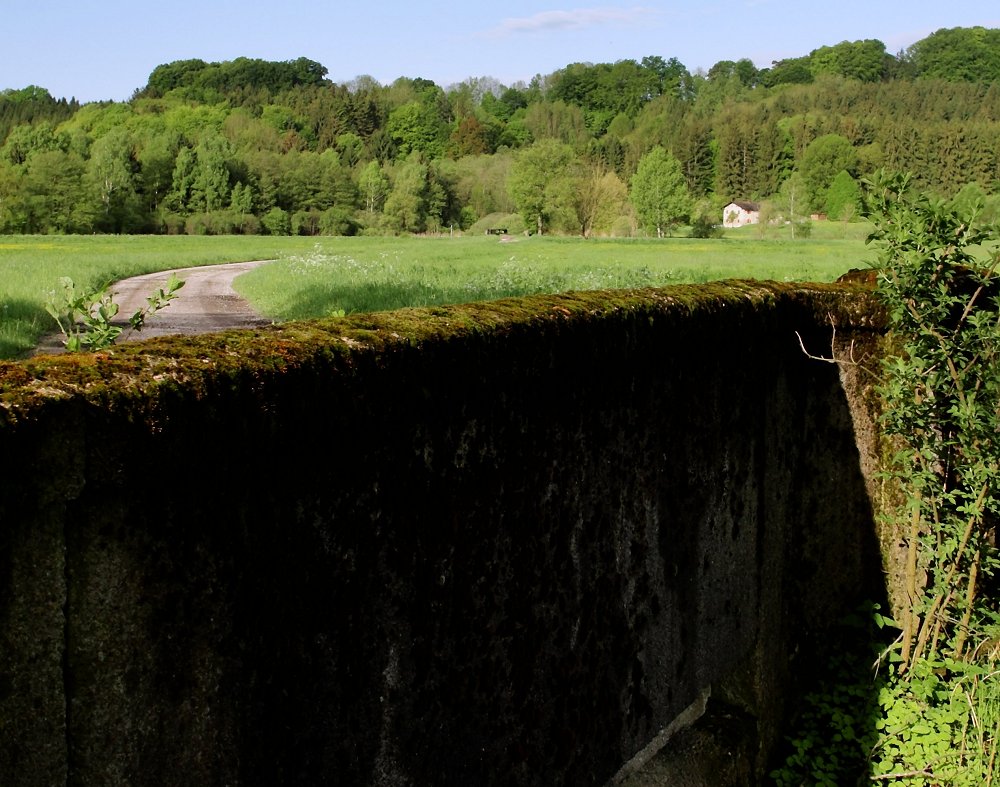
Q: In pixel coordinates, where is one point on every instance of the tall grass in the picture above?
(316, 278)
(361, 275)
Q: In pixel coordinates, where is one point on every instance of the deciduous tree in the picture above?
(969, 54)
(111, 178)
(600, 198)
(843, 198)
(659, 193)
(539, 182)
(406, 205)
(374, 186)
(824, 157)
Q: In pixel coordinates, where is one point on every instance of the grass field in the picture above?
(315, 277)
(31, 265)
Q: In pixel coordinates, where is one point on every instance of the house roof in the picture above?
(751, 206)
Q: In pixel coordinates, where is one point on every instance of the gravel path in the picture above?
(207, 302)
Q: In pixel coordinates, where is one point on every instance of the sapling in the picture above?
(86, 316)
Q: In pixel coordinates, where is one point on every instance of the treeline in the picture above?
(251, 146)
(32, 104)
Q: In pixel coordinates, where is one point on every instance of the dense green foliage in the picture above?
(257, 147)
(659, 193)
(943, 403)
(86, 317)
(931, 714)
(32, 105)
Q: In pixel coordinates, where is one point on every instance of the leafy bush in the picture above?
(85, 316)
(705, 226)
(277, 222)
(936, 694)
(337, 221)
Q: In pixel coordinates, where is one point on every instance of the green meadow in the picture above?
(316, 277)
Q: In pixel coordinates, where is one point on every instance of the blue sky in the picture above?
(105, 49)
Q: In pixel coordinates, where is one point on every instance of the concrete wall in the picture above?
(495, 544)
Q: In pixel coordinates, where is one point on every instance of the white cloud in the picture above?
(576, 19)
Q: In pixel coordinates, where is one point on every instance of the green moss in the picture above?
(125, 373)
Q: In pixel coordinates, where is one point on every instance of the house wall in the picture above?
(502, 543)
(734, 215)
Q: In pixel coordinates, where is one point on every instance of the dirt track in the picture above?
(206, 303)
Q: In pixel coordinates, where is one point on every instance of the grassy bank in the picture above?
(315, 277)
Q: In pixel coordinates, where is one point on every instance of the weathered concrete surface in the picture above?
(501, 544)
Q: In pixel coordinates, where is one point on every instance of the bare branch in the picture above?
(833, 343)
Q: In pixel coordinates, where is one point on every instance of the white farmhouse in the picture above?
(740, 213)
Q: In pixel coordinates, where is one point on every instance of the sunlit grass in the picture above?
(359, 275)
(317, 277)
(30, 268)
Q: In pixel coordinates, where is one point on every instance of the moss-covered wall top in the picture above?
(140, 373)
(503, 542)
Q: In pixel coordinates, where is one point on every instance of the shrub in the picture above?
(277, 222)
(337, 221)
(705, 226)
(938, 694)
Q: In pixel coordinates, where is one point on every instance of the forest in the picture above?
(594, 149)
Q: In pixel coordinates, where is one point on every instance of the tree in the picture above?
(866, 60)
(12, 214)
(25, 140)
(659, 193)
(556, 120)
(210, 189)
(970, 54)
(743, 70)
(823, 158)
(751, 151)
(539, 182)
(792, 202)
(843, 198)
(442, 204)
(111, 179)
(416, 126)
(157, 156)
(30, 106)
(55, 182)
(791, 71)
(374, 186)
(182, 181)
(469, 138)
(406, 206)
(277, 222)
(481, 183)
(600, 197)
(350, 147)
(313, 181)
(670, 77)
(241, 202)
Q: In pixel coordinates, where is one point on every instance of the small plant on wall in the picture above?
(86, 316)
